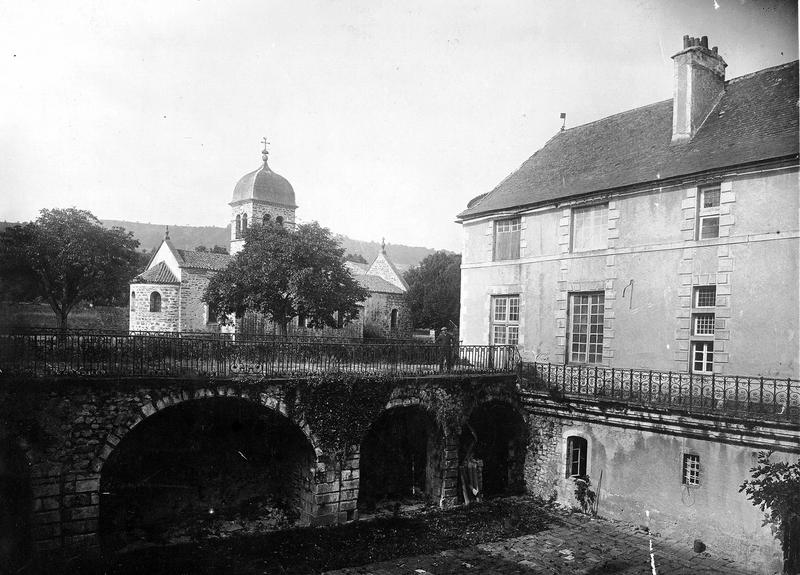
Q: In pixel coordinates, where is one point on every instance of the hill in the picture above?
(189, 237)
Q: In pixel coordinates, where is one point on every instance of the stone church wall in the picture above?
(255, 215)
(378, 316)
(142, 319)
(193, 310)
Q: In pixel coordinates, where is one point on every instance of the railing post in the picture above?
(788, 412)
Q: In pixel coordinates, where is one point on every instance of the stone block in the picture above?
(87, 485)
(88, 512)
(46, 517)
(42, 545)
(324, 498)
(46, 489)
(80, 526)
(322, 488)
(348, 505)
(45, 504)
(350, 484)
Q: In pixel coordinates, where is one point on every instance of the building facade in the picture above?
(653, 238)
(167, 296)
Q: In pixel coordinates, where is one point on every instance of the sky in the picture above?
(386, 117)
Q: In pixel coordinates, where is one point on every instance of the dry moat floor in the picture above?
(515, 535)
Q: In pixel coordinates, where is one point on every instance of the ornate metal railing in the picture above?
(148, 355)
(758, 397)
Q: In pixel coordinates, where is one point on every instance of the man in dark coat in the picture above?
(445, 343)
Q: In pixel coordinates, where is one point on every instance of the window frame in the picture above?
(582, 459)
(706, 357)
(709, 213)
(690, 470)
(571, 332)
(508, 322)
(586, 245)
(704, 290)
(703, 324)
(513, 248)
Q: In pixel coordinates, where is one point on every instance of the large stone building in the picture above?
(167, 296)
(661, 238)
(664, 237)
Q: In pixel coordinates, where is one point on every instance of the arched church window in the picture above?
(267, 219)
(279, 219)
(155, 301)
(394, 319)
(238, 227)
(244, 222)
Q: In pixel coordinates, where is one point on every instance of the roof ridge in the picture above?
(771, 68)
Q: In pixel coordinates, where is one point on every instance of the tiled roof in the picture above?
(203, 260)
(755, 120)
(356, 268)
(377, 284)
(158, 274)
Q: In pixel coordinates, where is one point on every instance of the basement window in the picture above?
(691, 469)
(577, 450)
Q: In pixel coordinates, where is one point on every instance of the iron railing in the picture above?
(758, 397)
(166, 356)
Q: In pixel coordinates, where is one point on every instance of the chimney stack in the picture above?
(699, 80)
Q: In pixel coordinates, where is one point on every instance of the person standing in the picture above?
(445, 343)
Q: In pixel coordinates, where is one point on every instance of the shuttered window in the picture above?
(506, 239)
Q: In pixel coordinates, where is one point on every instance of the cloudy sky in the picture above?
(386, 117)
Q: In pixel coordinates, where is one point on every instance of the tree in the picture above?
(215, 250)
(434, 290)
(284, 273)
(67, 256)
(775, 489)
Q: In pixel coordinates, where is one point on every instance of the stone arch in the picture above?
(493, 446)
(278, 462)
(145, 409)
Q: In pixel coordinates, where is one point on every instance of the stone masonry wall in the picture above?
(378, 316)
(193, 310)
(142, 319)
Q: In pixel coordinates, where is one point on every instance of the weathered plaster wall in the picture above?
(651, 242)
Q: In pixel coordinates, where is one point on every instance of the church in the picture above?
(167, 296)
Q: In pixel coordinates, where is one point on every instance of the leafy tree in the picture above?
(775, 489)
(284, 273)
(357, 258)
(215, 250)
(434, 290)
(201, 249)
(67, 256)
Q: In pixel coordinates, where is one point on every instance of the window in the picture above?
(702, 358)
(590, 228)
(708, 213)
(691, 469)
(705, 296)
(133, 300)
(238, 233)
(586, 311)
(279, 220)
(244, 222)
(267, 218)
(506, 239)
(577, 448)
(703, 324)
(505, 320)
(155, 301)
(393, 319)
(212, 313)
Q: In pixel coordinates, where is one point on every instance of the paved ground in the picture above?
(575, 545)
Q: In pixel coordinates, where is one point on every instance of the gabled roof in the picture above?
(158, 274)
(377, 284)
(383, 267)
(756, 120)
(356, 268)
(202, 260)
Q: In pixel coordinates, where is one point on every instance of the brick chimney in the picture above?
(699, 82)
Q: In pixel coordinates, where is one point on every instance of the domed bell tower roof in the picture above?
(264, 185)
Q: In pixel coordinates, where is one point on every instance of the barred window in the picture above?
(506, 239)
(703, 323)
(705, 296)
(577, 449)
(691, 469)
(505, 320)
(702, 360)
(590, 228)
(586, 311)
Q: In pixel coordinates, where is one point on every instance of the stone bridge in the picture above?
(91, 463)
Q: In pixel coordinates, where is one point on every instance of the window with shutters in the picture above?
(590, 228)
(506, 239)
